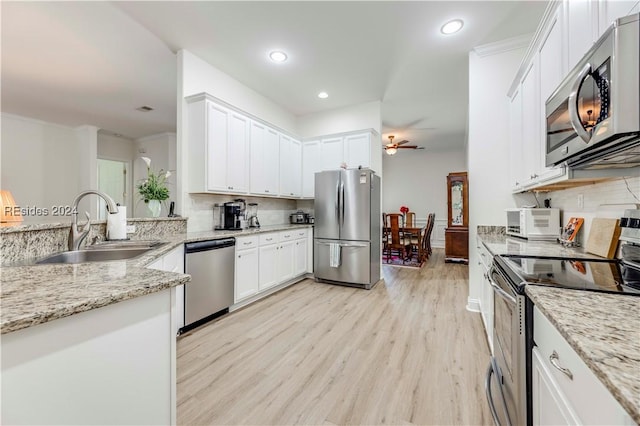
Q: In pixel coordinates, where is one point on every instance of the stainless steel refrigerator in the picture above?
(347, 227)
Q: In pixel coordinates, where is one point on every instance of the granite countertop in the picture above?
(505, 245)
(604, 329)
(35, 294)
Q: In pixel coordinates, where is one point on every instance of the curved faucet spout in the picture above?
(77, 236)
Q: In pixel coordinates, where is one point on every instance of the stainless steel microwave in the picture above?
(593, 118)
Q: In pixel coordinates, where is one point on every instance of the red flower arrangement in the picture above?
(404, 209)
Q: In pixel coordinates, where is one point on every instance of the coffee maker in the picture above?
(234, 214)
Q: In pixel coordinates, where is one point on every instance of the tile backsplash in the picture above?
(605, 199)
(271, 211)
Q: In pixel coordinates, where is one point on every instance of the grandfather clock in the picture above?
(456, 235)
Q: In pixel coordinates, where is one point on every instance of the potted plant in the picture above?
(153, 189)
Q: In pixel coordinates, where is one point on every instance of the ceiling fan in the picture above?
(392, 147)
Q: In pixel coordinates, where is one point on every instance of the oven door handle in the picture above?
(499, 290)
(493, 369)
(574, 114)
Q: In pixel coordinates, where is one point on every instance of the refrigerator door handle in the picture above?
(354, 245)
(338, 202)
(341, 203)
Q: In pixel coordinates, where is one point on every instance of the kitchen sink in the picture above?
(126, 244)
(95, 255)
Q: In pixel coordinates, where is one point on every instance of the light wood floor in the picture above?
(406, 352)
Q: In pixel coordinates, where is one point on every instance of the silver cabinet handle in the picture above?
(554, 358)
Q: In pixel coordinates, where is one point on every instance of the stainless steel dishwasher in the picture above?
(210, 291)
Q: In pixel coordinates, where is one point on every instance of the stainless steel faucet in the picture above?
(77, 236)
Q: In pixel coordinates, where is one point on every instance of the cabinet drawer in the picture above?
(247, 242)
(485, 256)
(292, 234)
(591, 400)
(270, 238)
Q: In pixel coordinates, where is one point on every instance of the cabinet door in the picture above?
(531, 122)
(265, 160)
(238, 153)
(515, 141)
(357, 150)
(271, 158)
(610, 10)
(217, 135)
(549, 406)
(295, 172)
(331, 153)
(310, 165)
(300, 257)
(268, 261)
(580, 24)
(246, 280)
(286, 261)
(286, 160)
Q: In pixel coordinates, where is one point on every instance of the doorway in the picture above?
(114, 180)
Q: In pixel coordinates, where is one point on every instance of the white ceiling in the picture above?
(94, 62)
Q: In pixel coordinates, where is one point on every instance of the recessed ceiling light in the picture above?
(452, 26)
(278, 56)
(323, 95)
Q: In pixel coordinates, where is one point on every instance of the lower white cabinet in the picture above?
(174, 262)
(486, 296)
(565, 390)
(268, 259)
(246, 267)
(111, 365)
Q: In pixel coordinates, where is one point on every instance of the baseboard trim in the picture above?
(473, 305)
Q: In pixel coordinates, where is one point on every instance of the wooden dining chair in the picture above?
(410, 219)
(426, 240)
(397, 240)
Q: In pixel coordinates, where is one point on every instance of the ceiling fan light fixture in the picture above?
(323, 95)
(391, 150)
(452, 26)
(278, 56)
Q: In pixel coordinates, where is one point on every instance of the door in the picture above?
(326, 205)
(238, 144)
(357, 150)
(217, 135)
(354, 266)
(355, 205)
(310, 165)
(331, 153)
(268, 259)
(246, 273)
(112, 180)
(300, 257)
(286, 261)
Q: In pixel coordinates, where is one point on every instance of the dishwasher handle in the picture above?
(209, 245)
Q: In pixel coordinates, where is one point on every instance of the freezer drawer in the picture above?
(355, 262)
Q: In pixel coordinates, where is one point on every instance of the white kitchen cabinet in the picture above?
(290, 167)
(331, 153)
(265, 160)
(111, 365)
(268, 266)
(218, 157)
(516, 171)
(174, 262)
(300, 257)
(610, 10)
(286, 260)
(486, 297)
(581, 28)
(246, 267)
(310, 166)
(565, 390)
(357, 150)
(531, 123)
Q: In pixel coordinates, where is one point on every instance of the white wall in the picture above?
(488, 148)
(46, 164)
(354, 117)
(161, 149)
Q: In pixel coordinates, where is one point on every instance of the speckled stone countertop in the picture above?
(604, 329)
(505, 245)
(35, 294)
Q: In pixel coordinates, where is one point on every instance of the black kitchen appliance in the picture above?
(234, 214)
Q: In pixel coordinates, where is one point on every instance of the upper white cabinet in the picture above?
(265, 160)
(355, 149)
(331, 153)
(218, 148)
(290, 167)
(310, 165)
(562, 39)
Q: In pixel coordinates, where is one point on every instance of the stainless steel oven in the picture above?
(505, 383)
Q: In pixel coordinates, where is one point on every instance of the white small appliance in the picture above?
(534, 223)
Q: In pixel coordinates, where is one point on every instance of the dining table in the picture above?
(411, 232)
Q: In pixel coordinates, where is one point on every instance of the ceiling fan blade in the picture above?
(408, 146)
(402, 142)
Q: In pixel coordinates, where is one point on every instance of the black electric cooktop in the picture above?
(611, 276)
